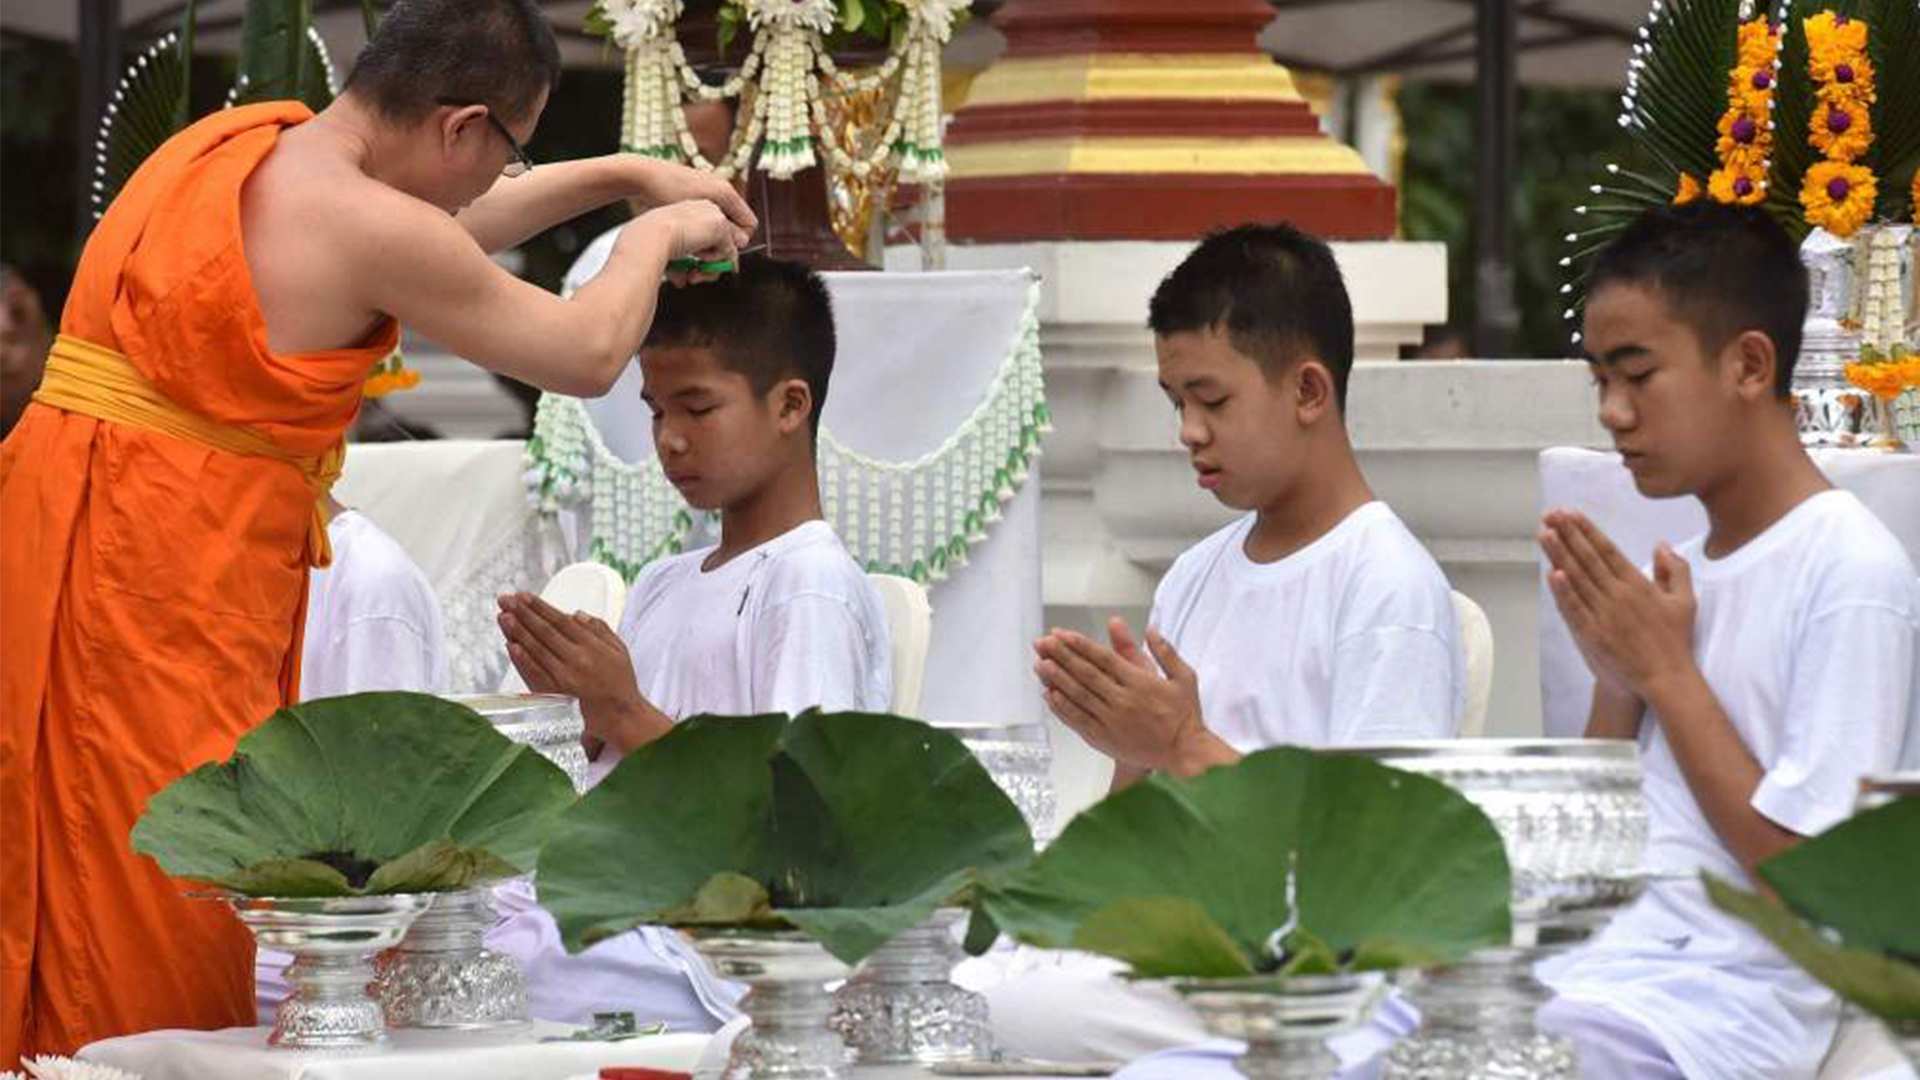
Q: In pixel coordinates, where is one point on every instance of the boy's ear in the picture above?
(1750, 360)
(1313, 390)
(794, 400)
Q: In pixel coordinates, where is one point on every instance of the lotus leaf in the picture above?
(849, 826)
(1882, 985)
(1860, 878)
(364, 794)
(1860, 881)
(1289, 862)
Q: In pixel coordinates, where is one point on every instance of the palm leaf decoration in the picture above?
(281, 56)
(1677, 90)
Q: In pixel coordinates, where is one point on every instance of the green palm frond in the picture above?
(1894, 46)
(1676, 92)
(146, 110)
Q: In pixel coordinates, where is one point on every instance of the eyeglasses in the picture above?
(521, 163)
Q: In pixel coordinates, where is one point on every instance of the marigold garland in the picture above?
(1745, 145)
(1886, 379)
(1836, 193)
(1690, 189)
(390, 375)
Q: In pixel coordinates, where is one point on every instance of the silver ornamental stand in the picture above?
(1575, 826)
(1863, 285)
(787, 1004)
(442, 975)
(1285, 1022)
(333, 942)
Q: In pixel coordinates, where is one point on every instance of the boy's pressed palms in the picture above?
(577, 655)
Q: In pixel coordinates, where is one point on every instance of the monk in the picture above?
(159, 494)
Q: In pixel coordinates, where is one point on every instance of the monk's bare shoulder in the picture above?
(316, 227)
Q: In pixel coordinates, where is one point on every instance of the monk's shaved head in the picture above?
(426, 53)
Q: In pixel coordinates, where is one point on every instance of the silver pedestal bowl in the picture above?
(902, 1007)
(442, 975)
(1285, 1022)
(1575, 826)
(786, 973)
(333, 943)
(550, 723)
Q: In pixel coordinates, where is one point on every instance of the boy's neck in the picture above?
(1337, 488)
(1775, 476)
(789, 498)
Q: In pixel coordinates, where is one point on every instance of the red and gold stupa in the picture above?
(1146, 120)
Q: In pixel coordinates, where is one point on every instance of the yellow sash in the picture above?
(85, 378)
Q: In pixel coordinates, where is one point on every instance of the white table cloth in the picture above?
(1598, 485)
(243, 1054)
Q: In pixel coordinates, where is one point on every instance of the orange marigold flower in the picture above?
(1832, 38)
(1688, 191)
(1840, 130)
(1744, 136)
(1733, 184)
(1850, 77)
(1758, 43)
(1751, 88)
(1838, 197)
(1916, 197)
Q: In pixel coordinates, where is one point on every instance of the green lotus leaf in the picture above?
(1860, 878)
(1387, 868)
(365, 794)
(1882, 985)
(849, 826)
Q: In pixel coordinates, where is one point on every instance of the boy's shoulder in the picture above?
(1844, 554)
(812, 558)
(374, 560)
(1372, 539)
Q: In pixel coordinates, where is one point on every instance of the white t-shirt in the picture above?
(1809, 636)
(787, 626)
(372, 620)
(1351, 639)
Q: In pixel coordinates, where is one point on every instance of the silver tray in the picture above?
(550, 723)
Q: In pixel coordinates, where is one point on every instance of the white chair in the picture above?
(588, 587)
(910, 626)
(1476, 639)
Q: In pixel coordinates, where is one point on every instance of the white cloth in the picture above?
(1809, 636)
(1596, 484)
(790, 625)
(372, 620)
(917, 353)
(243, 1054)
(1351, 639)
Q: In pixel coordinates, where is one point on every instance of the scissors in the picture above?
(687, 264)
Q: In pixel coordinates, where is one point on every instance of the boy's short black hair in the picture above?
(497, 53)
(1722, 270)
(1276, 292)
(768, 320)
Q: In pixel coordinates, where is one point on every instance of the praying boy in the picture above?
(775, 618)
(1316, 619)
(1763, 668)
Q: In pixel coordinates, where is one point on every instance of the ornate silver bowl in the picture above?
(1020, 760)
(442, 975)
(902, 1007)
(550, 723)
(1574, 822)
(1285, 1022)
(333, 942)
(786, 973)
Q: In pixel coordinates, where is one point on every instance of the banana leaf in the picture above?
(849, 826)
(358, 795)
(1289, 862)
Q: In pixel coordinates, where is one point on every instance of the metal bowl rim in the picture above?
(1599, 750)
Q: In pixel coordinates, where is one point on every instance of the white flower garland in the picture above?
(914, 518)
(789, 71)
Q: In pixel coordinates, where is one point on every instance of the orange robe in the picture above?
(153, 599)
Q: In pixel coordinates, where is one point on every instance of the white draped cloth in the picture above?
(1597, 485)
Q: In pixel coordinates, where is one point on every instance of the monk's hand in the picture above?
(577, 655)
(659, 183)
(1635, 633)
(1119, 702)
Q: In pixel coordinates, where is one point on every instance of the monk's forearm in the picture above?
(518, 208)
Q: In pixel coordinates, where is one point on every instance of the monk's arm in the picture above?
(417, 265)
(518, 208)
